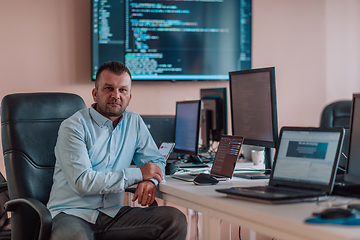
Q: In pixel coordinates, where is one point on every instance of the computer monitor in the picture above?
(352, 174)
(213, 115)
(187, 123)
(172, 40)
(254, 111)
(161, 127)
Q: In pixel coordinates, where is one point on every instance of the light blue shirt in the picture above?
(93, 160)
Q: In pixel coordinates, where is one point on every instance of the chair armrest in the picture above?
(3, 187)
(40, 208)
(130, 189)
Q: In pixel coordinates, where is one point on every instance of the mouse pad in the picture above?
(344, 221)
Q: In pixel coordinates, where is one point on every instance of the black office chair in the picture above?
(29, 126)
(336, 114)
(5, 224)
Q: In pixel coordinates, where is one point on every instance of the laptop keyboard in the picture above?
(264, 189)
(272, 190)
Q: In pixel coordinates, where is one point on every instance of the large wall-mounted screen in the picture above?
(173, 39)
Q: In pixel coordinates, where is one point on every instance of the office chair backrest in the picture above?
(29, 128)
(4, 220)
(336, 114)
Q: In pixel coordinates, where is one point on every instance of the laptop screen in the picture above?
(307, 156)
(226, 156)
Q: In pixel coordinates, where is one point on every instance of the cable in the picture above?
(341, 169)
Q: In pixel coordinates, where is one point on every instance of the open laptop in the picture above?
(225, 159)
(304, 167)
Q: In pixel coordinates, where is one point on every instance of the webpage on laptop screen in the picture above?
(306, 156)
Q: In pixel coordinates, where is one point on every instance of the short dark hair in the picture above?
(115, 67)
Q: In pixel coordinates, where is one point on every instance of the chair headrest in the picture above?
(27, 106)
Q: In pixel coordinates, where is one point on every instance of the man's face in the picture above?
(112, 94)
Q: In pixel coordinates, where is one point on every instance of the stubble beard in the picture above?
(114, 112)
(110, 110)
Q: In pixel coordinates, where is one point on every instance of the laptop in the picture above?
(225, 159)
(304, 167)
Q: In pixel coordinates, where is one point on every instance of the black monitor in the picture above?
(254, 111)
(213, 115)
(161, 127)
(352, 174)
(187, 122)
(172, 40)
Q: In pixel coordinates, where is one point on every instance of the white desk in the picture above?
(280, 221)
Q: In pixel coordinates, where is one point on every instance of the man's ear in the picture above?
(94, 94)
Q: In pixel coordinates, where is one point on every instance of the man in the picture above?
(93, 152)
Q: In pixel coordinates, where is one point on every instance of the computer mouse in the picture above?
(335, 213)
(205, 179)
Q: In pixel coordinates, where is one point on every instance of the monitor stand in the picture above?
(193, 161)
(346, 187)
(261, 174)
(347, 190)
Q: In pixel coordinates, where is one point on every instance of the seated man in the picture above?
(93, 152)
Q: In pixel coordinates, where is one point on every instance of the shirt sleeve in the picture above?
(72, 156)
(147, 151)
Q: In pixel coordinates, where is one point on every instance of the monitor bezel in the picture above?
(348, 177)
(275, 130)
(196, 150)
